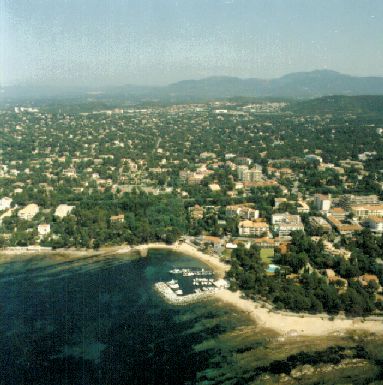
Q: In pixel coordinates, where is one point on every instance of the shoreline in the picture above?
(284, 323)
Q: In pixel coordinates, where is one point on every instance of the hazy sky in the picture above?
(160, 41)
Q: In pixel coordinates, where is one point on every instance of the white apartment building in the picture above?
(242, 212)
(252, 228)
(285, 223)
(250, 175)
(322, 202)
(364, 211)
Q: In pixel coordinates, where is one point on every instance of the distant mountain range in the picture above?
(301, 85)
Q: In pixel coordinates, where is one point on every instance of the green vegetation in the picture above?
(310, 291)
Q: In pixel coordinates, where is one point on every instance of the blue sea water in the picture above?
(98, 321)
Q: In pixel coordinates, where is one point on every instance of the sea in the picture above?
(99, 321)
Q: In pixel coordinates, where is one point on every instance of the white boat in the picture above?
(179, 292)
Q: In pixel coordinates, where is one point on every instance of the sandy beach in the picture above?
(297, 324)
(287, 324)
(284, 323)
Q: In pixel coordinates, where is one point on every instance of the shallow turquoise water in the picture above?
(99, 321)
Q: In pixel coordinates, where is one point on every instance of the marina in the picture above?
(191, 285)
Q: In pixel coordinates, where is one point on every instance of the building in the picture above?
(117, 218)
(364, 211)
(250, 175)
(338, 252)
(335, 279)
(284, 224)
(215, 242)
(322, 202)
(196, 212)
(365, 279)
(320, 223)
(63, 210)
(344, 228)
(214, 187)
(302, 207)
(347, 200)
(5, 203)
(313, 158)
(242, 211)
(28, 212)
(338, 213)
(44, 229)
(252, 228)
(278, 201)
(375, 224)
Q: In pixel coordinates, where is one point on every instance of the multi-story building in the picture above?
(375, 224)
(320, 223)
(253, 228)
(364, 211)
(338, 213)
(344, 228)
(253, 174)
(322, 202)
(348, 200)
(284, 223)
(242, 212)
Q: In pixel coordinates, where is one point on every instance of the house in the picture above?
(313, 158)
(216, 242)
(252, 228)
(278, 201)
(63, 210)
(302, 207)
(28, 212)
(339, 252)
(117, 218)
(44, 229)
(365, 279)
(214, 187)
(375, 224)
(264, 242)
(196, 212)
(5, 203)
(335, 279)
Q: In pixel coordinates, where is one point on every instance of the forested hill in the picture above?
(367, 104)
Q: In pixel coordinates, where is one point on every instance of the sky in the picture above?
(156, 42)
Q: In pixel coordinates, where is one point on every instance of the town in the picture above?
(289, 194)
